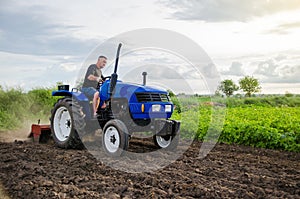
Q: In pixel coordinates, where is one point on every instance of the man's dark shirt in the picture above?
(92, 70)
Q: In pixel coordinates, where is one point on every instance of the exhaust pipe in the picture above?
(114, 76)
(144, 78)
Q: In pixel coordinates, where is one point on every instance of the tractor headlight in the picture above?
(156, 107)
(168, 108)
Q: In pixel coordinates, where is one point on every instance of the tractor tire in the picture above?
(166, 142)
(67, 120)
(115, 139)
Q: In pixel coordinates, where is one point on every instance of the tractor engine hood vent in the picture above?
(152, 97)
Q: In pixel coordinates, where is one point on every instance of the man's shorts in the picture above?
(88, 91)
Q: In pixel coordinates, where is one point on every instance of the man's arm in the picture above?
(94, 78)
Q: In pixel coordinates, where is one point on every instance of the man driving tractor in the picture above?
(92, 79)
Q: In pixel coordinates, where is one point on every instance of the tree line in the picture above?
(249, 85)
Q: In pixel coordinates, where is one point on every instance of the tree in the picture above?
(249, 85)
(228, 87)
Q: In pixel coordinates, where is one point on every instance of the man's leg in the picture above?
(95, 102)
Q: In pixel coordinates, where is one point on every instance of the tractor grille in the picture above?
(152, 97)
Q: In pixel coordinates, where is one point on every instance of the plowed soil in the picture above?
(30, 170)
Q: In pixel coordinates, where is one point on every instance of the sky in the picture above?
(45, 42)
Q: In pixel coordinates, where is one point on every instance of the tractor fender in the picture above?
(78, 96)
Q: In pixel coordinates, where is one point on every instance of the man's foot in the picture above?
(95, 115)
(103, 106)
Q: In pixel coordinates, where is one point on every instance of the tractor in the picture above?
(129, 108)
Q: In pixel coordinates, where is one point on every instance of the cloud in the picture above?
(274, 71)
(31, 71)
(289, 73)
(227, 10)
(167, 77)
(235, 69)
(267, 68)
(27, 30)
(280, 57)
(284, 28)
(290, 25)
(281, 68)
(69, 66)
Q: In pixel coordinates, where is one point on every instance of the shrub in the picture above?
(17, 107)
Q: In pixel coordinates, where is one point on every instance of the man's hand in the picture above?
(99, 79)
(95, 78)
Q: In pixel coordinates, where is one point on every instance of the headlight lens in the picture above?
(168, 108)
(156, 108)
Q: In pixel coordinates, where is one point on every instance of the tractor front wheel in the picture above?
(167, 142)
(115, 138)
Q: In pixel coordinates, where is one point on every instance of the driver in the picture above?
(92, 79)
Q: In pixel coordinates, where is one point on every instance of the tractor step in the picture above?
(40, 133)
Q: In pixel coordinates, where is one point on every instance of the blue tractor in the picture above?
(129, 108)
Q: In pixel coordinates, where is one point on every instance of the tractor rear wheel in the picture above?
(115, 139)
(67, 120)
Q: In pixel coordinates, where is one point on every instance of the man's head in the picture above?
(101, 61)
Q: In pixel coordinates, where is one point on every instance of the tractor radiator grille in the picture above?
(152, 97)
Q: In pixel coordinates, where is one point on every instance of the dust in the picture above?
(11, 136)
(21, 133)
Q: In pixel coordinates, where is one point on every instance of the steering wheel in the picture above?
(107, 77)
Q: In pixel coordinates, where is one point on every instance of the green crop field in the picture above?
(270, 127)
(268, 122)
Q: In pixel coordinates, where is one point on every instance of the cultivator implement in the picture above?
(40, 133)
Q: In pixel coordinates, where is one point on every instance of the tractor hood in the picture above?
(142, 88)
(128, 90)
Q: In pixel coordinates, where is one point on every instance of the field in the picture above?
(265, 122)
(43, 171)
(256, 154)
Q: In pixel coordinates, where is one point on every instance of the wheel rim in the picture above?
(111, 139)
(163, 141)
(62, 124)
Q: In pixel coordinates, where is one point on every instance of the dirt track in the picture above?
(30, 170)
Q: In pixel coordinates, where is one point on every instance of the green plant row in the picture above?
(270, 101)
(253, 124)
(272, 127)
